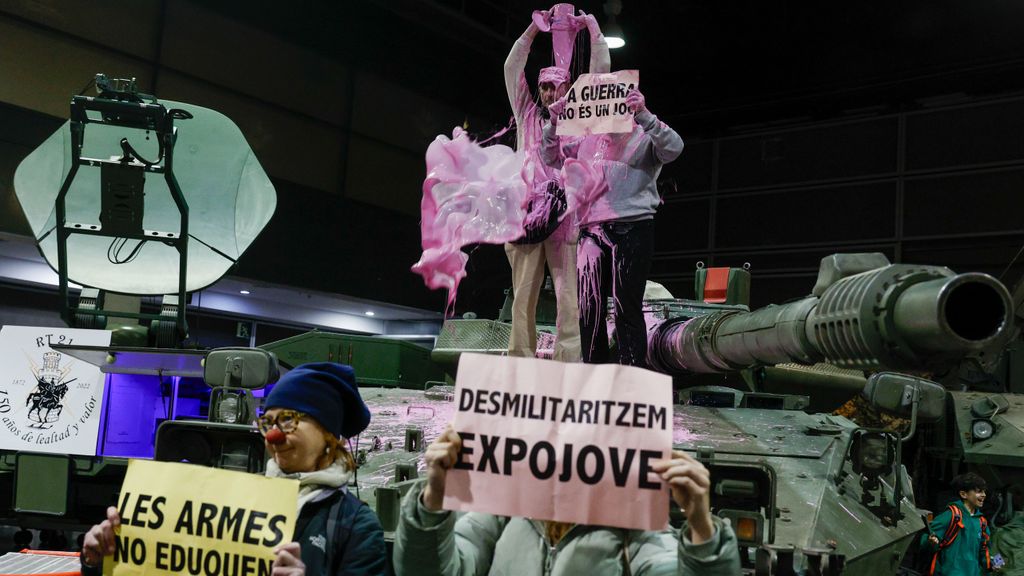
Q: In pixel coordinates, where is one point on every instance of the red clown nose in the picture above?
(275, 436)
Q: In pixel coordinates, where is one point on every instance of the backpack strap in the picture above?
(956, 523)
(339, 528)
(984, 542)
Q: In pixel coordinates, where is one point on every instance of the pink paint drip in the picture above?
(586, 179)
(588, 268)
(617, 273)
(564, 26)
(471, 195)
(542, 207)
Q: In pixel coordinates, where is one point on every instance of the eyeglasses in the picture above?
(286, 421)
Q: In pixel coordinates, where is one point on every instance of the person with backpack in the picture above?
(958, 537)
(308, 413)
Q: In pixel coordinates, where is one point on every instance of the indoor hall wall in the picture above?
(300, 110)
(352, 141)
(21, 306)
(31, 306)
(938, 185)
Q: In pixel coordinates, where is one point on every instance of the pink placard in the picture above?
(596, 104)
(565, 442)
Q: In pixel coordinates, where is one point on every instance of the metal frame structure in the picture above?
(129, 114)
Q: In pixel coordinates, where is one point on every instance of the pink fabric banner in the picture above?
(596, 104)
(471, 195)
(565, 442)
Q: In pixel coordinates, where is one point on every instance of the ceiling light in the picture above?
(243, 292)
(369, 313)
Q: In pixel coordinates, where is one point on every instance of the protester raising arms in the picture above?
(432, 541)
(559, 249)
(308, 412)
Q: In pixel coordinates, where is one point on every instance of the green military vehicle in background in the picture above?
(807, 490)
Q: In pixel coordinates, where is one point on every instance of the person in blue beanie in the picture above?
(308, 414)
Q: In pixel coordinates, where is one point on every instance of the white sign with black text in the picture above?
(596, 104)
(49, 402)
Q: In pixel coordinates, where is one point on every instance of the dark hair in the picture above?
(967, 482)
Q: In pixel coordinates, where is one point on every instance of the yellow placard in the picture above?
(189, 519)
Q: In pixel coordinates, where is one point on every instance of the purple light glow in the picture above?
(133, 407)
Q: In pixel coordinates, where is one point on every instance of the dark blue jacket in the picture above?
(340, 536)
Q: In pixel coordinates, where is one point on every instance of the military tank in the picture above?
(807, 491)
(864, 314)
(813, 493)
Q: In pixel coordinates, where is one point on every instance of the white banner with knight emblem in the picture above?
(49, 402)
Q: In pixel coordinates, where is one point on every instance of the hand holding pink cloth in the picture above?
(591, 23)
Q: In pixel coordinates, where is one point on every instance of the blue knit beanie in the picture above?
(326, 391)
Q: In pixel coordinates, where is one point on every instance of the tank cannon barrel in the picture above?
(893, 316)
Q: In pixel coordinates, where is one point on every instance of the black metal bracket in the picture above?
(129, 114)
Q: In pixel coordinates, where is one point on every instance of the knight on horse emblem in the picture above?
(47, 399)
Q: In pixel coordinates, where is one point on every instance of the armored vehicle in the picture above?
(811, 492)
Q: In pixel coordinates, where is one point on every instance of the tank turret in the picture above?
(864, 313)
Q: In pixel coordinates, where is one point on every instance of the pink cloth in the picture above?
(563, 24)
(471, 195)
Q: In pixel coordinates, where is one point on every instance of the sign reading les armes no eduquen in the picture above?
(188, 519)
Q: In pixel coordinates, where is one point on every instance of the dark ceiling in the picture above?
(711, 69)
(708, 68)
(705, 66)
